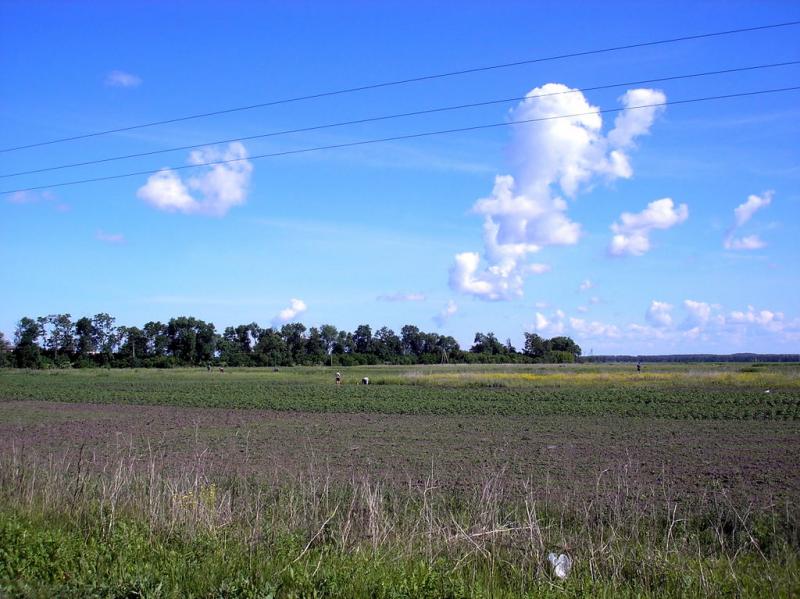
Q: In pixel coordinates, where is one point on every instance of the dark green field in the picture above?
(730, 391)
(446, 481)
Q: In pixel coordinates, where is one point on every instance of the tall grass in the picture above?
(75, 525)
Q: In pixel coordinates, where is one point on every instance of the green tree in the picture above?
(62, 338)
(86, 335)
(27, 353)
(387, 345)
(344, 343)
(236, 344)
(271, 349)
(565, 344)
(191, 340)
(5, 350)
(487, 344)
(413, 342)
(362, 339)
(316, 349)
(133, 344)
(157, 337)
(293, 335)
(535, 346)
(105, 336)
(328, 333)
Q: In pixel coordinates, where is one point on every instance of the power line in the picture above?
(393, 116)
(407, 81)
(399, 138)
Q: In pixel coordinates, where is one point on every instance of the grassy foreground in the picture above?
(125, 519)
(68, 533)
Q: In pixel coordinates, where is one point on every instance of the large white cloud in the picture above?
(219, 188)
(743, 213)
(632, 232)
(551, 157)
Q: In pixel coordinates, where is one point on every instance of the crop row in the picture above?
(645, 399)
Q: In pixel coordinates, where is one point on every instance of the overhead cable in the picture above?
(399, 138)
(407, 81)
(392, 116)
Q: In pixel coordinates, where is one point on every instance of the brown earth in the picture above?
(684, 459)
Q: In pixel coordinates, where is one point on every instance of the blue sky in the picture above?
(649, 230)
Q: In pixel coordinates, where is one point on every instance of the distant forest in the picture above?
(58, 341)
(742, 357)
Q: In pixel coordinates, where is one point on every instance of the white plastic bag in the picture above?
(562, 564)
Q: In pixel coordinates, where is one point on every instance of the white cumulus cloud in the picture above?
(659, 314)
(561, 156)
(632, 232)
(492, 283)
(213, 192)
(585, 285)
(698, 313)
(551, 326)
(631, 124)
(742, 214)
(296, 307)
(122, 79)
(594, 328)
(765, 318)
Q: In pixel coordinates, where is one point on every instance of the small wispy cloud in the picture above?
(36, 197)
(296, 307)
(122, 79)
(442, 317)
(112, 238)
(585, 285)
(401, 297)
(30, 197)
(742, 214)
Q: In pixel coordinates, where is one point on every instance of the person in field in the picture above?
(338, 378)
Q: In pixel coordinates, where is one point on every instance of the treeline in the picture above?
(58, 341)
(742, 357)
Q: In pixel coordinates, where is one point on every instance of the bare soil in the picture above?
(752, 459)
